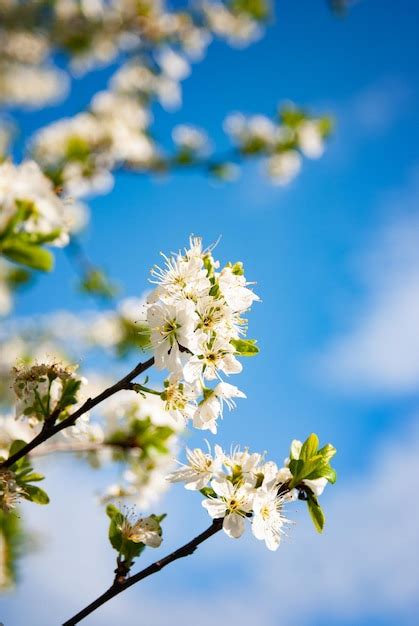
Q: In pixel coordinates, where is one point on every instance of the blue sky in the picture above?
(335, 259)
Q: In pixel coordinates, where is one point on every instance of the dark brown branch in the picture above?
(50, 429)
(118, 587)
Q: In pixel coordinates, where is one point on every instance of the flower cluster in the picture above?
(79, 153)
(192, 142)
(138, 431)
(26, 77)
(93, 34)
(45, 390)
(239, 27)
(197, 332)
(239, 485)
(24, 189)
(32, 214)
(284, 140)
(243, 485)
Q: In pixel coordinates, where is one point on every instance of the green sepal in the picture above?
(208, 492)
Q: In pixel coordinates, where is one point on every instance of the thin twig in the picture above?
(118, 587)
(50, 429)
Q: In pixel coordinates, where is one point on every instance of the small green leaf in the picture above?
(245, 347)
(32, 477)
(115, 535)
(17, 446)
(36, 494)
(315, 511)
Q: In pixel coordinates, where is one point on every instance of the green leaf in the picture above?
(130, 549)
(17, 446)
(257, 9)
(309, 447)
(69, 393)
(316, 513)
(31, 477)
(326, 125)
(24, 209)
(323, 471)
(301, 469)
(328, 452)
(97, 283)
(296, 467)
(28, 254)
(127, 548)
(115, 535)
(36, 494)
(291, 115)
(17, 277)
(245, 347)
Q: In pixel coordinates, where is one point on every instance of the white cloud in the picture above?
(381, 104)
(379, 352)
(363, 566)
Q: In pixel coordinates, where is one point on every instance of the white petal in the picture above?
(197, 483)
(317, 485)
(233, 525)
(258, 527)
(225, 390)
(216, 508)
(272, 539)
(223, 488)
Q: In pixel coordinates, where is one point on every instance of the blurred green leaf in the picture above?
(31, 255)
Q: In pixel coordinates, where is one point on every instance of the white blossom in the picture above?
(232, 503)
(172, 334)
(284, 167)
(211, 407)
(268, 521)
(201, 468)
(144, 530)
(310, 139)
(46, 211)
(194, 314)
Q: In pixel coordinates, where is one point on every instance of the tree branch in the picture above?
(118, 587)
(50, 429)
